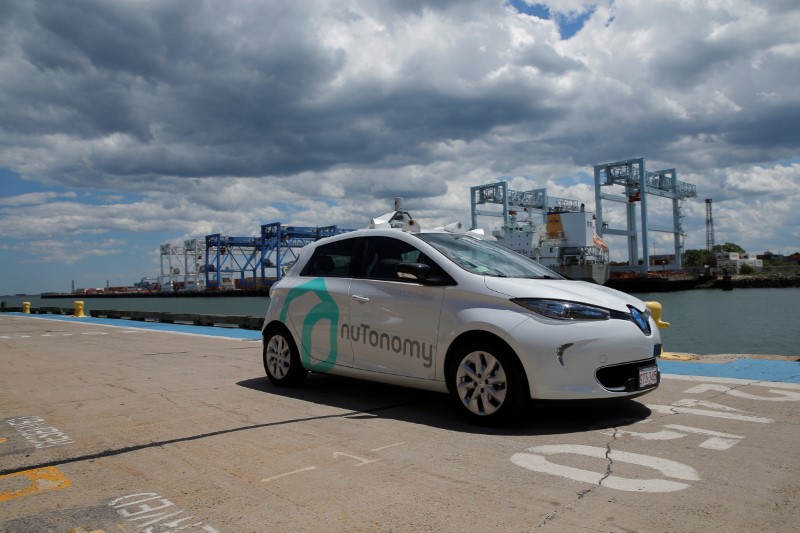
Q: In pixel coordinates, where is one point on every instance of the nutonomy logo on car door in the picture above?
(326, 309)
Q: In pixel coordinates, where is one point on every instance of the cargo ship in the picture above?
(566, 243)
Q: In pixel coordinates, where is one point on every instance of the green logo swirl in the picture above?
(326, 309)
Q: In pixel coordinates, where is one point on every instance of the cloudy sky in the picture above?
(125, 124)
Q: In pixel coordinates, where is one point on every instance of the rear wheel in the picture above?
(485, 382)
(281, 360)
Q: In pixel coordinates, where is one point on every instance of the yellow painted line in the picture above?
(41, 479)
(2, 440)
(678, 356)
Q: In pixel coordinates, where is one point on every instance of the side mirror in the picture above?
(415, 271)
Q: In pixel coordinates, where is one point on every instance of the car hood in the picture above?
(557, 289)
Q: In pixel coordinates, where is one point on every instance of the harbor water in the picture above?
(742, 321)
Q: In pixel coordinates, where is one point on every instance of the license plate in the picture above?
(648, 376)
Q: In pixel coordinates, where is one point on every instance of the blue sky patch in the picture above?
(15, 185)
(568, 23)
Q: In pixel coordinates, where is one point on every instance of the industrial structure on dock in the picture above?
(221, 262)
(559, 233)
(562, 235)
(638, 184)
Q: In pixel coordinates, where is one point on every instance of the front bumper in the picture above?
(626, 377)
(584, 361)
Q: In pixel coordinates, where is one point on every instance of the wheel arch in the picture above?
(276, 324)
(283, 328)
(472, 337)
(296, 370)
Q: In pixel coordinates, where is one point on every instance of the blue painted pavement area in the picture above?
(753, 369)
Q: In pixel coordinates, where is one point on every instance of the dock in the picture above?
(124, 424)
(244, 322)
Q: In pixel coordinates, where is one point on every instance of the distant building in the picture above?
(661, 261)
(732, 262)
(147, 284)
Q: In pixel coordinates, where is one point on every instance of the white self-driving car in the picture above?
(446, 311)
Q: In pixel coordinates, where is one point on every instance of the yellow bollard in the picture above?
(26, 307)
(655, 311)
(79, 309)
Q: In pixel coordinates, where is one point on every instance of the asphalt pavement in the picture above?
(113, 425)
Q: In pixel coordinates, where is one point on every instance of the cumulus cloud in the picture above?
(219, 116)
(776, 180)
(71, 251)
(27, 199)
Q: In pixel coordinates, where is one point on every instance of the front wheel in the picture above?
(281, 360)
(486, 383)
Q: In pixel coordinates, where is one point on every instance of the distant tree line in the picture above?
(698, 259)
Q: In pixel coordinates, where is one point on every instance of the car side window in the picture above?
(334, 259)
(383, 254)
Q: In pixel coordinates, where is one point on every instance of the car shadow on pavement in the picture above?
(368, 400)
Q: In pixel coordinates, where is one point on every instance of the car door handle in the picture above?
(362, 299)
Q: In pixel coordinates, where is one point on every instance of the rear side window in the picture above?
(335, 259)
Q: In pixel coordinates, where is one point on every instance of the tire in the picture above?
(281, 360)
(487, 383)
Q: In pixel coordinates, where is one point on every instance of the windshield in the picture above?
(486, 258)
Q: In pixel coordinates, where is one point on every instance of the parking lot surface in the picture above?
(109, 428)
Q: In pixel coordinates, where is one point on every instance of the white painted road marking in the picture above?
(671, 410)
(38, 433)
(273, 478)
(783, 396)
(363, 461)
(718, 440)
(138, 508)
(537, 462)
(387, 446)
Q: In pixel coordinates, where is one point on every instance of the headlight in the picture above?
(561, 310)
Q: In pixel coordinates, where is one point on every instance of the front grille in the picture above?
(622, 378)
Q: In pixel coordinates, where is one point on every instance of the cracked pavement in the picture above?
(194, 423)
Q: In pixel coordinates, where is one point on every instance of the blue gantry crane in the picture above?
(281, 244)
(231, 261)
(257, 262)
